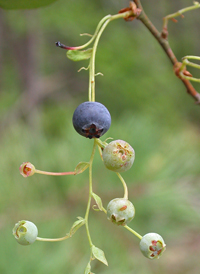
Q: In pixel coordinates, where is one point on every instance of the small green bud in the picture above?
(120, 211)
(152, 245)
(118, 156)
(25, 232)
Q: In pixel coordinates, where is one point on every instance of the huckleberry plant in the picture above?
(92, 120)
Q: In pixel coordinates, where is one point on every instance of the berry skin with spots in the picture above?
(118, 156)
(120, 211)
(91, 119)
(152, 246)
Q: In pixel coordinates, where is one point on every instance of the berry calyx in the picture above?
(120, 211)
(91, 119)
(152, 245)
(25, 232)
(118, 156)
(27, 169)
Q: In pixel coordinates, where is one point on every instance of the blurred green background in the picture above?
(150, 109)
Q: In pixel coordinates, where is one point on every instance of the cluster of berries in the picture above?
(92, 120)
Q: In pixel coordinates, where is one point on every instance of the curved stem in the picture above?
(124, 185)
(60, 45)
(91, 77)
(90, 194)
(104, 210)
(53, 240)
(196, 5)
(101, 144)
(96, 31)
(92, 59)
(92, 63)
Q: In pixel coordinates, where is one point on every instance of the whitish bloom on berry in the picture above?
(118, 156)
(91, 119)
(120, 211)
(152, 245)
(27, 169)
(25, 232)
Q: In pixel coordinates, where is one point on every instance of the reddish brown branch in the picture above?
(166, 47)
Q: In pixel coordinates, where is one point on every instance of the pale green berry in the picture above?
(118, 156)
(25, 232)
(152, 245)
(120, 211)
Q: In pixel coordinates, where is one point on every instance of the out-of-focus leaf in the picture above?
(82, 166)
(88, 268)
(76, 225)
(98, 201)
(24, 4)
(79, 55)
(99, 254)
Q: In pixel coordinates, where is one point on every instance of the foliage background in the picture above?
(39, 90)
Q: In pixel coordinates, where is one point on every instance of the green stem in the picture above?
(134, 232)
(186, 62)
(53, 240)
(92, 59)
(104, 210)
(124, 185)
(101, 144)
(189, 77)
(90, 194)
(94, 35)
(191, 64)
(179, 13)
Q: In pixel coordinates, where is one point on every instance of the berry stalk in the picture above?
(55, 173)
(100, 30)
(62, 46)
(90, 194)
(124, 185)
(53, 239)
(134, 232)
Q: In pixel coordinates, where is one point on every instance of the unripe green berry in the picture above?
(118, 156)
(152, 245)
(25, 232)
(120, 211)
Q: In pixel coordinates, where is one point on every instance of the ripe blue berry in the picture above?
(25, 232)
(152, 245)
(118, 156)
(120, 211)
(91, 119)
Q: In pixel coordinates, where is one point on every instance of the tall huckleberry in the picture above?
(92, 120)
